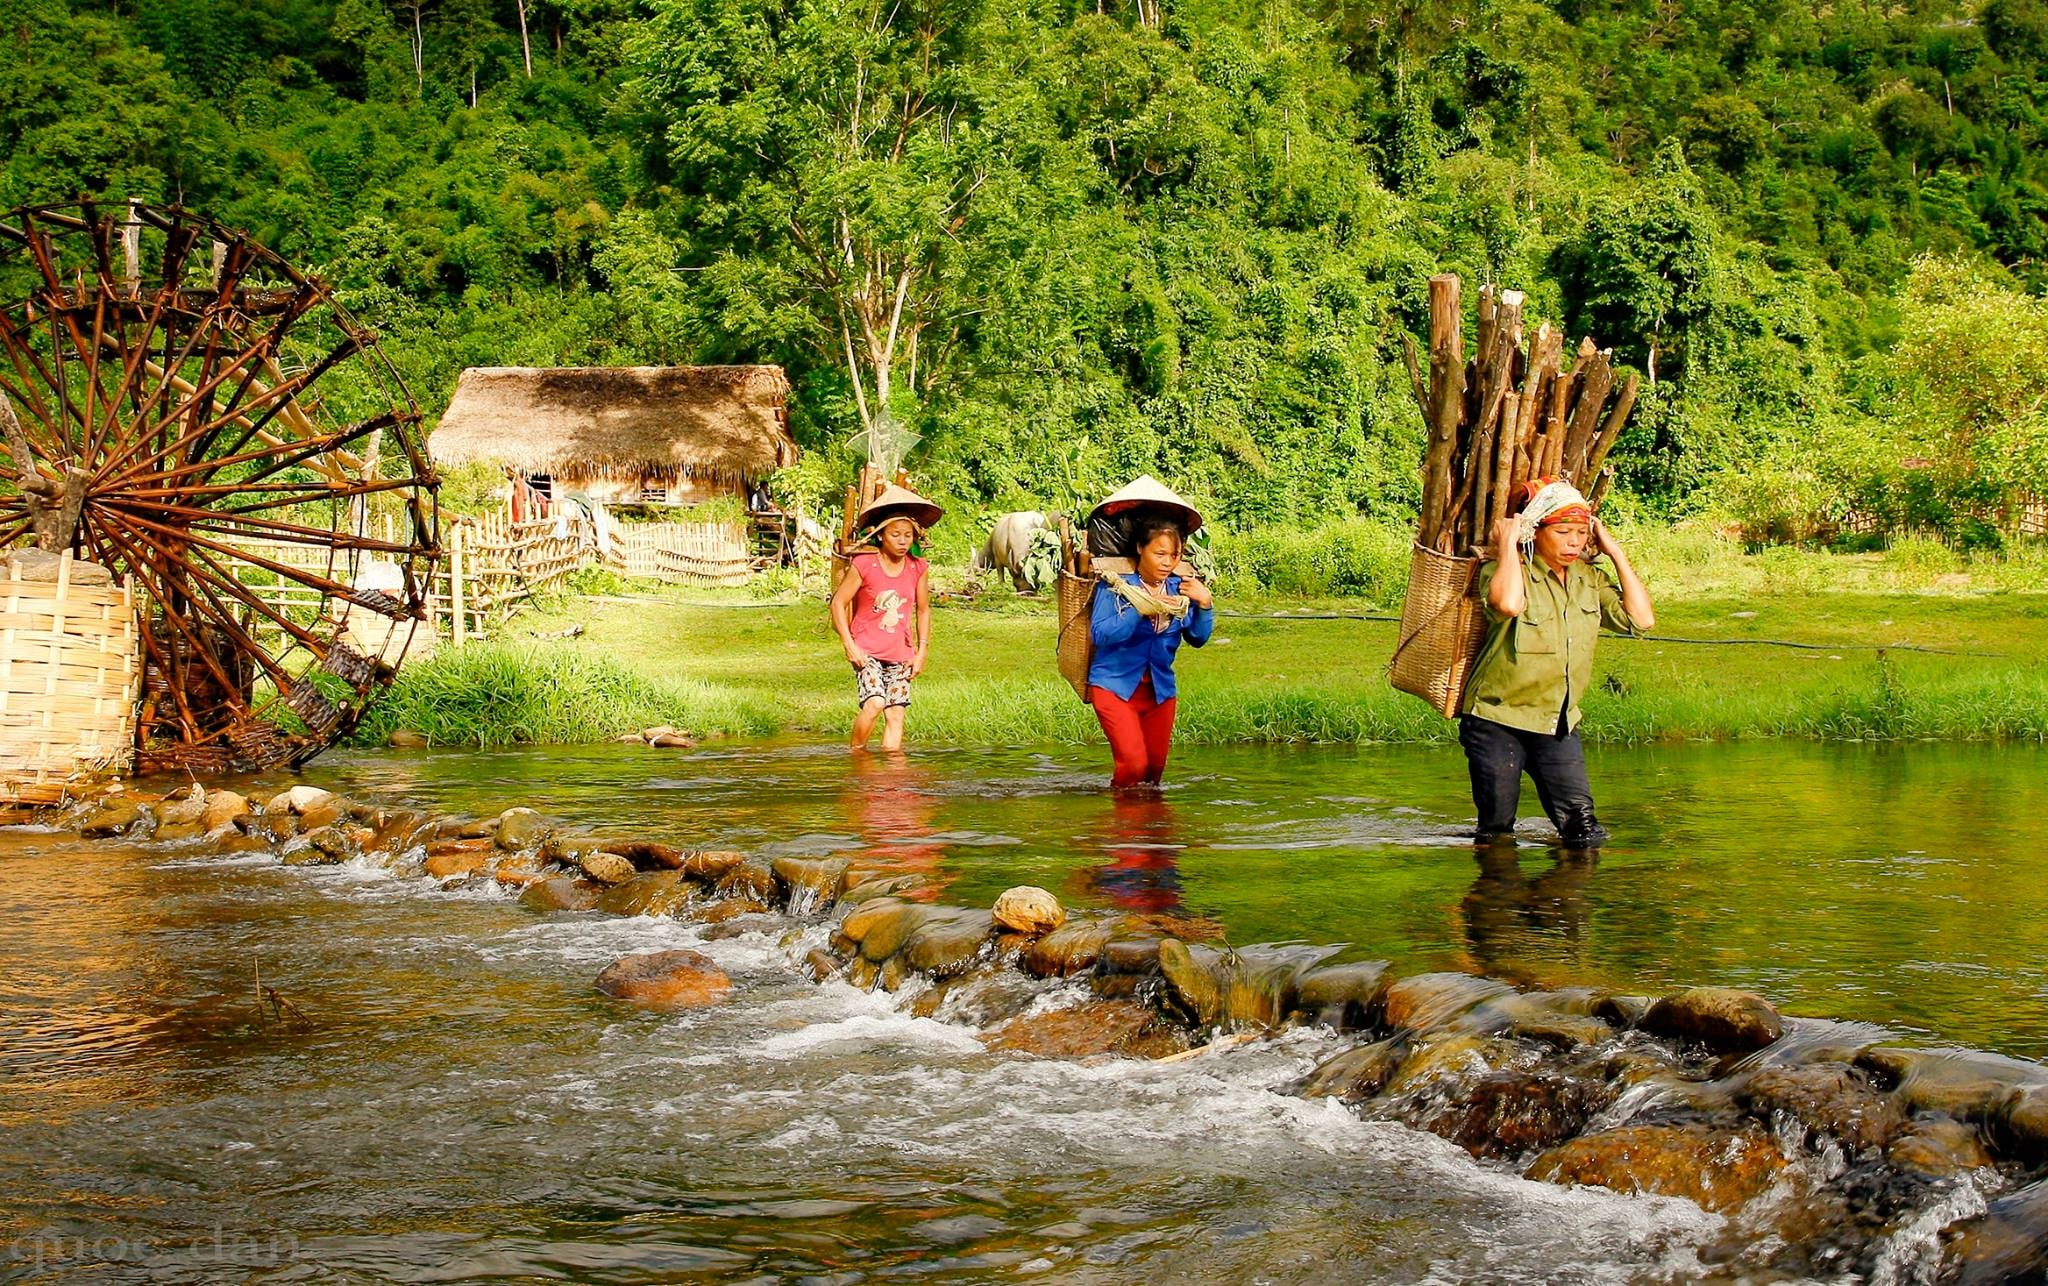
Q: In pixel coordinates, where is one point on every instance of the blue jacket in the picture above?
(1127, 648)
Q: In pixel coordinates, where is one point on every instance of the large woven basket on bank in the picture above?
(68, 674)
(1442, 628)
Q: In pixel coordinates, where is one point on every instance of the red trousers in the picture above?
(1140, 732)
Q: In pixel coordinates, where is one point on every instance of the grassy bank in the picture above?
(1291, 673)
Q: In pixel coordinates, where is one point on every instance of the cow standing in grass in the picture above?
(1007, 544)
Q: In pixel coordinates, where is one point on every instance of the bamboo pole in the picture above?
(456, 607)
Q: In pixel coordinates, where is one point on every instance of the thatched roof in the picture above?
(698, 421)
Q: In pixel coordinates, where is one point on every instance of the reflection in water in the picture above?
(1522, 929)
(890, 800)
(1141, 850)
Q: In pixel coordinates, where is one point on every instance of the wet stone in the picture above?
(606, 868)
(1832, 1099)
(809, 883)
(867, 890)
(1086, 1030)
(888, 930)
(652, 893)
(1341, 996)
(444, 866)
(947, 944)
(1724, 1019)
(2009, 1244)
(646, 855)
(820, 964)
(749, 878)
(2023, 1129)
(560, 893)
(1721, 1170)
(1072, 948)
(728, 909)
(665, 980)
(329, 810)
(1357, 1073)
(1622, 1011)
(519, 828)
(183, 810)
(1131, 957)
(856, 923)
(1509, 1113)
(711, 863)
(1428, 1001)
(117, 816)
(1452, 1057)
(1029, 909)
(1967, 1085)
(1938, 1146)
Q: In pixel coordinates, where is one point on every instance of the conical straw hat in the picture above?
(899, 502)
(1144, 491)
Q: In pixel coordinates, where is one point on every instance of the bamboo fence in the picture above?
(69, 669)
(494, 563)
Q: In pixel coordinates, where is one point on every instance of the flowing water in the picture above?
(448, 1098)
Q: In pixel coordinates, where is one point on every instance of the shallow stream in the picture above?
(459, 1104)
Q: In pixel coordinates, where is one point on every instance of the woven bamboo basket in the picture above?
(68, 674)
(1442, 628)
(1076, 606)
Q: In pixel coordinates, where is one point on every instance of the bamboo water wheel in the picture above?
(186, 408)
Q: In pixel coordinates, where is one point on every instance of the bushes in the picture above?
(1351, 557)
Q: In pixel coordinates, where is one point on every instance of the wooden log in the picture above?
(1599, 491)
(1503, 464)
(1466, 516)
(1446, 396)
(1554, 424)
(1489, 314)
(1596, 383)
(1597, 457)
(1415, 385)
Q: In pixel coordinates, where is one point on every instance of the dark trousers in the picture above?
(1498, 756)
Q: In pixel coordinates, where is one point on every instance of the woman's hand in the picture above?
(917, 663)
(1196, 592)
(1507, 536)
(1604, 541)
(855, 656)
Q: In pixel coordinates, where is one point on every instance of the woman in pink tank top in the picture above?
(882, 611)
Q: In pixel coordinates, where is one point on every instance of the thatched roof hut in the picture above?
(687, 432)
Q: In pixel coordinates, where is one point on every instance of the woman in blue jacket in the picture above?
(1138, 623)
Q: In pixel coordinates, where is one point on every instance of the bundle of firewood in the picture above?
(1508, 414)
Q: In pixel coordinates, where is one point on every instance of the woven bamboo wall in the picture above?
(68, 673)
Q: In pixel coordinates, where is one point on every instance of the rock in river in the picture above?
(560, 893)
(1029, 909)
(1070, 949)
(1723, 1019)
(1097, 1027)
(665, 980)
(520, 828)
(606, 868)
(1720, 1169)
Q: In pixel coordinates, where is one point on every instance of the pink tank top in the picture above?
(885, 606)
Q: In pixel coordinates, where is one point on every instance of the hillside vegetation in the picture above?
(1067, 242)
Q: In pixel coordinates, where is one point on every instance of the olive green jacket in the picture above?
(1533, 665)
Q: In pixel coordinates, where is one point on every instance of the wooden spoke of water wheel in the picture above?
(184, 406)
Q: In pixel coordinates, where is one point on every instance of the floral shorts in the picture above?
(885, 681)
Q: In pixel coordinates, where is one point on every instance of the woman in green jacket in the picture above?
(1545, 604)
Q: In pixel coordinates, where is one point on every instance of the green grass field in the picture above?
(1285, 672)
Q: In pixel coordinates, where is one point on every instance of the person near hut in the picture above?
(882, 611)
(1137, 624)
(1545, 604)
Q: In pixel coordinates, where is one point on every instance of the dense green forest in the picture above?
(1066, 241)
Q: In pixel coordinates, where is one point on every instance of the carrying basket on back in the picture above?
(1442, 627)
(1074, 603)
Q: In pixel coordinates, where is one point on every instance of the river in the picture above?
(457, 1103)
